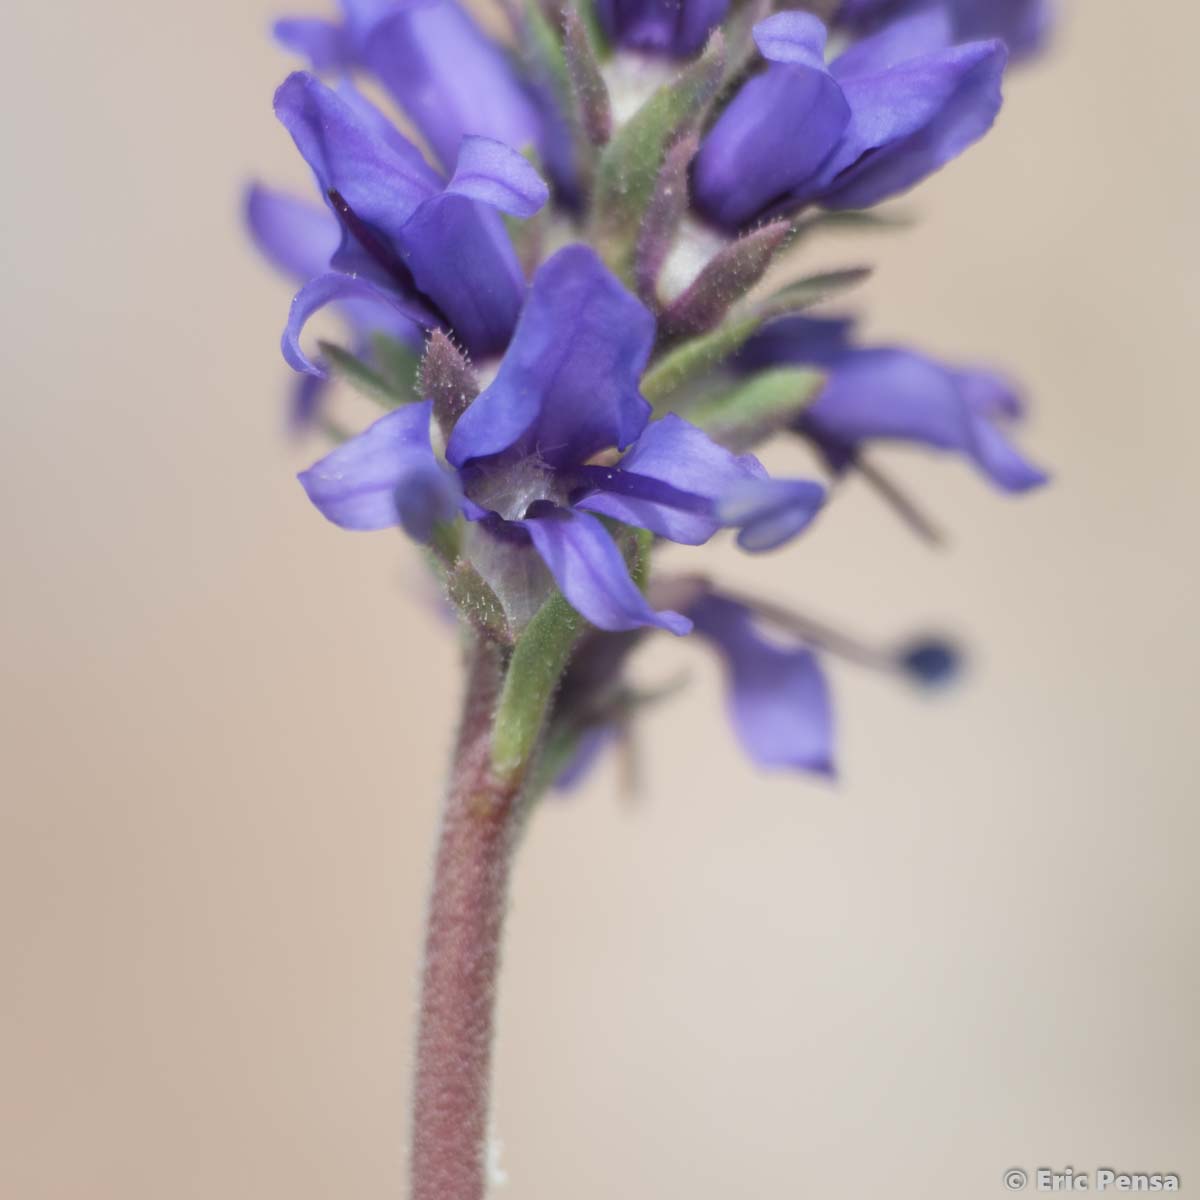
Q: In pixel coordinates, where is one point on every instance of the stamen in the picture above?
(902, 505)
(637, 487)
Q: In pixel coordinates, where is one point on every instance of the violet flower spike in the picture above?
(582, 310)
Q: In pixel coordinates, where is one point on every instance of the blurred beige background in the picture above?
(224, 722)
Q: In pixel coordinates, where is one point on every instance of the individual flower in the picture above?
(777, 694)
(879, 118)
(887, 393)
(299, 239)
(434, 250)
(449, 78)
(778, 698)
(533, 459)
(675, 27)
(1022, 24)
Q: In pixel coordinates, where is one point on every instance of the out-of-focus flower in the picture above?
(892, 394)
(299, 239)
(778, 696)
(675, 27)
(1023, 25)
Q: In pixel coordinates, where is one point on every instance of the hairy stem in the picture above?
(462, 952)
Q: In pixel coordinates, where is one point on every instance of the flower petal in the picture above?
(899, 41)
(449, 77)
(336, 288)
(294, 236)
(676, 27)
(912, 119)
(798, 340)
(591, 745)
(896, 394)
(324, 43)
(386, 476)
(380, 176)
(461, 257)
(307, 398)
(695, 471)
(792, 37)
(775, 133)
(778, 697)
(495, 174)
(591, 573)
(770, 511)
(568, 385)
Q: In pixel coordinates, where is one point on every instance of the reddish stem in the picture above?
(462, 954)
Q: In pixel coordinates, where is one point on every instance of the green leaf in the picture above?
(804, 293)
(697, 356)
(725, 279)
(664, 213)
(629, 165)
(362, 376)
(476, 601)
(593, 108)
(398, 363)
(538, 661)
(756, 407)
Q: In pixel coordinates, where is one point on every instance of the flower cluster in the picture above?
(555, 283)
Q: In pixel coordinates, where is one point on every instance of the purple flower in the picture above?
(522, 460)
(778, 697)
(447, 75)
(881, 117)
(435, 251)
(887, 393)
(299, 239)
(675, 27)
(1022, 24)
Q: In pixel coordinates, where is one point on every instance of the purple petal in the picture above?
(495, 174)
(1022, 24)
(770, 512)
(461, 257)
(336, 288)
(307, 397)
(912, 119)
(591, 573)
(804, 341)
(381, 182)
(691, 472)
(568, 385)
(591, 745)
(792, 37)
(294, 236)
(990, 395)
(778, 697)
(912, 36)
(896, 394)
(771, 140)
(675, 27)
(449, 77)
(1000, 461)
(325, 44)
(401, 228)
(386, 476)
